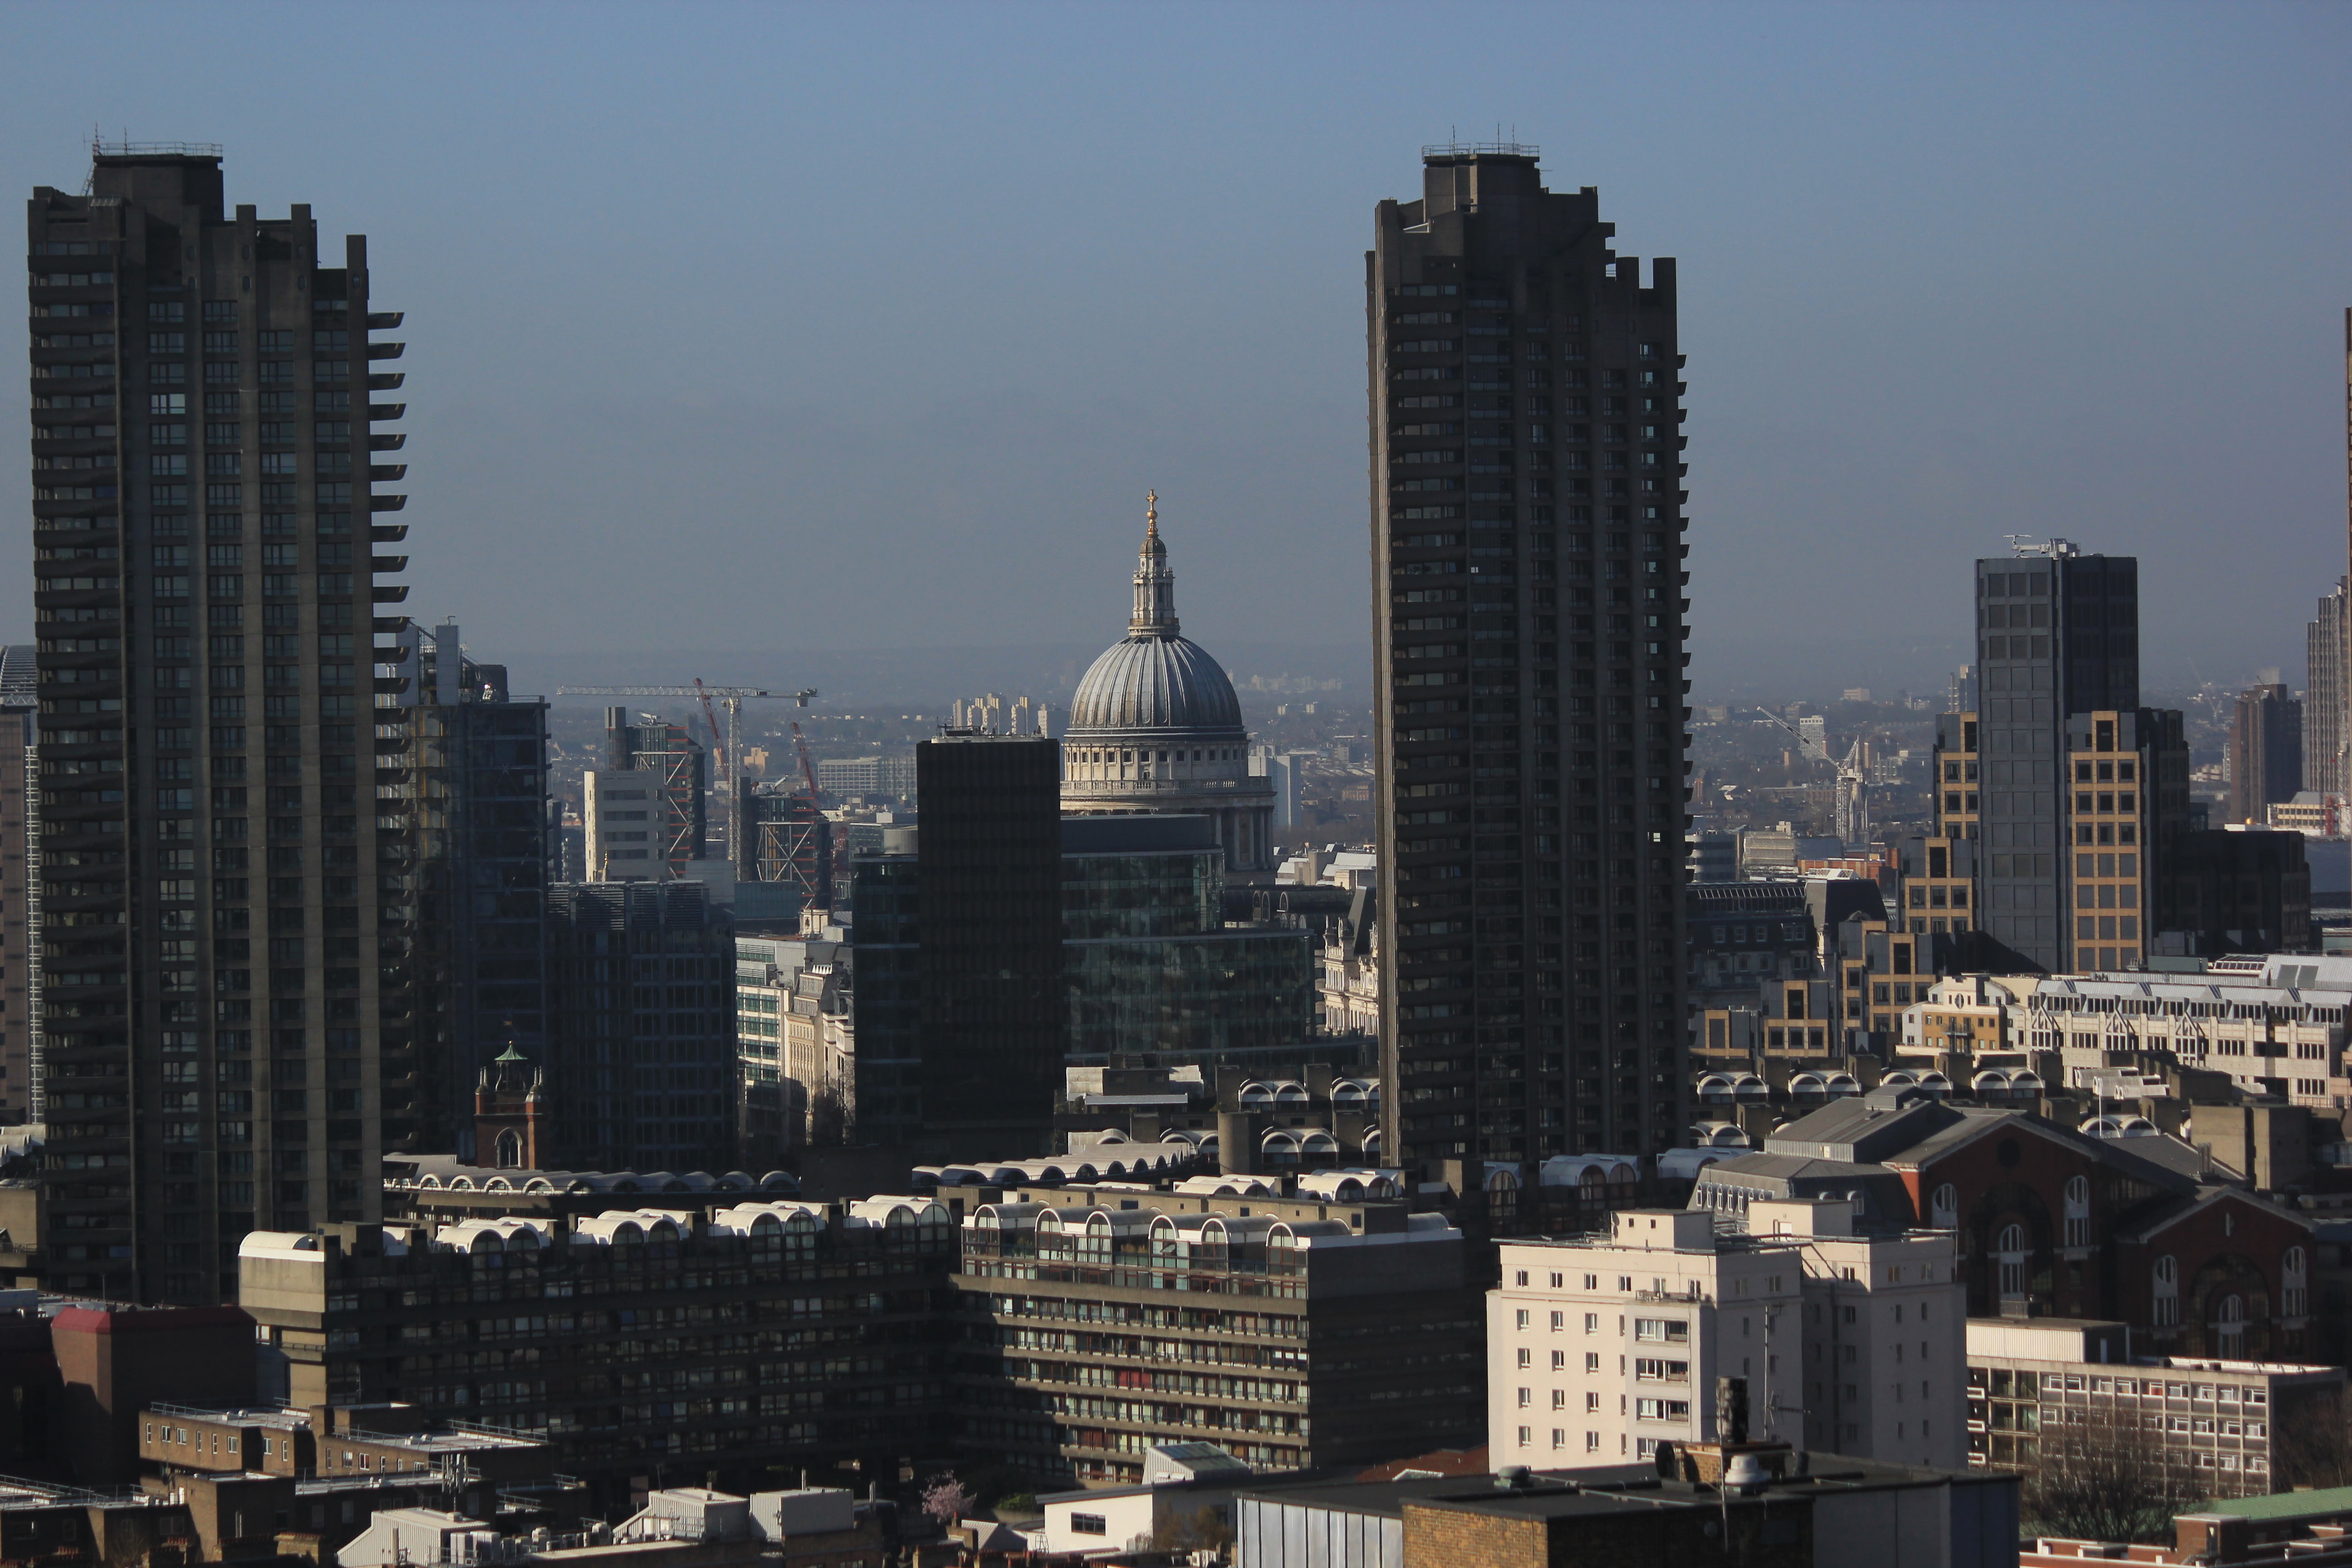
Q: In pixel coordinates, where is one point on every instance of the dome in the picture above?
(1157, 683)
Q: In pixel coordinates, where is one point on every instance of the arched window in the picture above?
(2295, 1282)
(2167, 1292)
(2078, 1212)
(2229, 1325)
(509, 1150)
(2008, 1253)
(1944, 1208)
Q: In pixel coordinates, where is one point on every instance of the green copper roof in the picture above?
(2284, 1505)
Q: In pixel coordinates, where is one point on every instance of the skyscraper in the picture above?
(988, 956)
(227, 1022)
(2324, 643)
(2266, 751)
(20, 860)
(2057, 636)
(1526, 552)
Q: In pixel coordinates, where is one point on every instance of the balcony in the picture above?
(386, 350)
(383, 563)
(386, 381)
(387, 473)
(392, 443)
(388, 532)
(385, 320)
(388, 593)
(383, 411)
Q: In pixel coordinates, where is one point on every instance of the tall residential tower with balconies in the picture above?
(224, 843)
(1528, 615)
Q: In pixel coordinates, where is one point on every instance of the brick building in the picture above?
(2051, 1222)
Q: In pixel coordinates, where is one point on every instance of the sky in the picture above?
(756, 336)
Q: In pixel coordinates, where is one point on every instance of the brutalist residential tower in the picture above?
(226, 838)
(2057, 636)
(1527, 565)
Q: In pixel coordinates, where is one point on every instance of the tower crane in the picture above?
(727, 697)
(1852, 818)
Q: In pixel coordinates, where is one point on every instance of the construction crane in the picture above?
(1852, 818)
(727, 697)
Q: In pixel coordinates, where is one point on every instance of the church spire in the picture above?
(1155, 583)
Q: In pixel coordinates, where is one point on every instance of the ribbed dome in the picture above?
(1158, 683)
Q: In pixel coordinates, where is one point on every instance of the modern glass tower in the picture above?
(1526, 515)
(226, 841)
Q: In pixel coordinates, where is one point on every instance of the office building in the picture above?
(2324, 695)
(2237, 892)
(2057, 636)
(1309, 1331)
(680, 789)
(2225, 1426)
(641, 1064)
(1528, 548)
(788, 1332)
(1155, 726)
(2127, 820)
(625, 811)
(867, 778)
(1839, 1338)
(1958, 795)
(226, 1021)
(2265, 752)
(20, 888)
(988, 968)
(478, 891)
(1150, 962)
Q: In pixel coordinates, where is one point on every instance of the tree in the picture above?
(1204, 1528)
(2105, 1479)
(828, 1120)
(945, 1499)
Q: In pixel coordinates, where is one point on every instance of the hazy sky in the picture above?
(778, 327)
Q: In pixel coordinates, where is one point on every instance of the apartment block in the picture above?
(1294, 1333)
(2226, 1426)
(1603, 1349)
(20, 880)
(1528, 542)
(763, 1334)
(225, 1007)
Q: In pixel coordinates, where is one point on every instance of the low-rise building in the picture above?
(767, 1333)
(1784, 1510)
(1297, 1332)
(2223, 1424)
(1843, 1339)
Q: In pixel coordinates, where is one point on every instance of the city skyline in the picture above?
(1984, 364)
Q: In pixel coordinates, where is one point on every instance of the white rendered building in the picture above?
(1599, 1349)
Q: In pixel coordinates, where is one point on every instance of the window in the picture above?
(1092, 1523)
(1526, 1356)
(2167, 1292)
(2008, 1248)
(1662, 1410)
(1665, 1331)
(2078, 1212)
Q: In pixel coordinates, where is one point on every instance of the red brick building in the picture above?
(2054, 1222)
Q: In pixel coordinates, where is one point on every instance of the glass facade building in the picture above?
(1148, 959)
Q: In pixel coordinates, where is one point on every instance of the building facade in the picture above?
(1527, 520)
(2226, 1426)
(2126, 816)
(2324, 695)
(1155, 726)
(2265, 752)
(1149, 960)
(1842, 1341)
(20, 885)
(480, 887)
(1305, 1332)
(2057, 636)
(226, 1023)
(765, 1335)
(641, 1062)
